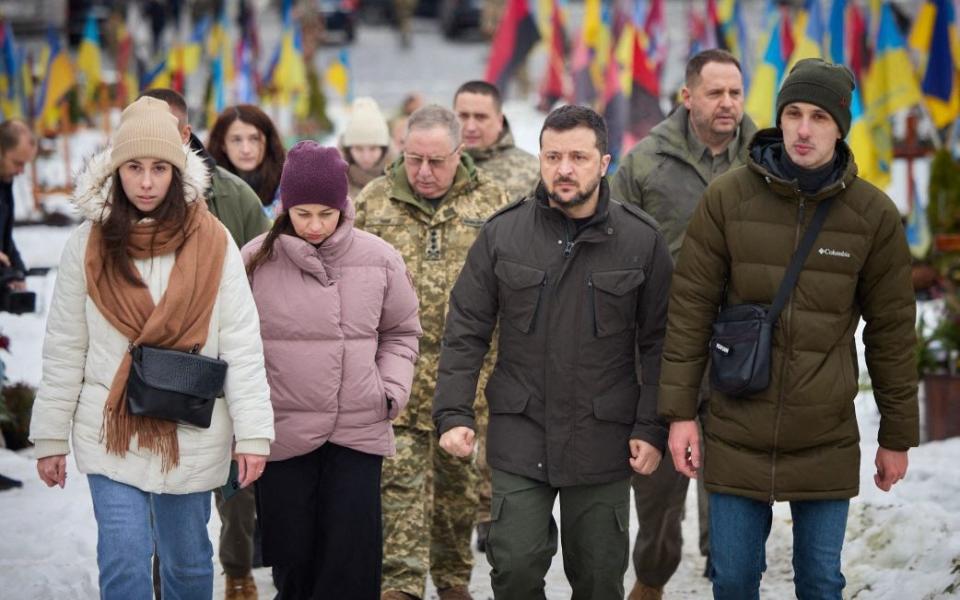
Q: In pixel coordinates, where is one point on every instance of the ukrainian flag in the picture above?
(59, 79)
(809, 33)
(88, 57)
(762, 99)
(937, 26)
(889, 85)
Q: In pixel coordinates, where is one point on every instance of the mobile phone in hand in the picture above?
(232, 486)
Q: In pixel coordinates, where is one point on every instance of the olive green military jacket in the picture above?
(517, 171)
(663, 177)
(434, 245)
(237, 206)
(798, 439)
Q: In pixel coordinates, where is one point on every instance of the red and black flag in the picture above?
(516, 35)
(556, 84)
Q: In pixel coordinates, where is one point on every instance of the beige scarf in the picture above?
(180, 321)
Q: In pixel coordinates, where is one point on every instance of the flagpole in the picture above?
(64, 131)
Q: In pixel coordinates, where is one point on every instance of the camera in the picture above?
(15, 301)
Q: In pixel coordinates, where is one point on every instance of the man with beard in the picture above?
(666, 175)
(578, 284)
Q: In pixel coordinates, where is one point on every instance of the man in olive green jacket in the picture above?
(237, 206)
(797, 440)
(430, 206)
(666, 175)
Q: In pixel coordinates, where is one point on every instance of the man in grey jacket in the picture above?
(578, 284)
(666, 175)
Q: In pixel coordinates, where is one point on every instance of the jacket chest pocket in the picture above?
(521, 292)
(613, 299)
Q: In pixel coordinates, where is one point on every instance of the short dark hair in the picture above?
(171, 97)
(572, 116)
(699, 60)
(11, 132)
(483, 88)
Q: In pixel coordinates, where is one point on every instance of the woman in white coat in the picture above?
(150, 266)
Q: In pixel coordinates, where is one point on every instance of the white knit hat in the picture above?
(367, 127)
(148, 130)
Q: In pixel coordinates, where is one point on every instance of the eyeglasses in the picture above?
(433, 162)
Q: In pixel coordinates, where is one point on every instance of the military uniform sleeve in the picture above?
(652, 317)
(471, 319)
(695, 296)
(885, 295)
(399, 330)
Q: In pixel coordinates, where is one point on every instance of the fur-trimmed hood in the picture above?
(94, 183)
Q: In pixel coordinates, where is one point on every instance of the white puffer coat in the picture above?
(82, 351)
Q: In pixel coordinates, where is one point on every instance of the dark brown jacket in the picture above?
(797, 440)
(575, 310)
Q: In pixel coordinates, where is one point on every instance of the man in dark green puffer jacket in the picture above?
(797, 440)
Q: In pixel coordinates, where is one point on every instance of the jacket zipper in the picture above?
(568, 245)
(783, 365)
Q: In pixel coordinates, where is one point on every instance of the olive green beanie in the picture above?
(827, 85)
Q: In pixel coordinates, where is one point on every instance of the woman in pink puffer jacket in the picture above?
(338, 317)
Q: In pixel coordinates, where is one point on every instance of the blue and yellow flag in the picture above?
(338, 76)
(762, 98)
(939, 84)
(808, 33)
(11, 88)
(890, 85)
(59, 78)
(88, 57)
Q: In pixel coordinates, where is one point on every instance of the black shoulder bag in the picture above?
(740, 346)
(174, 385)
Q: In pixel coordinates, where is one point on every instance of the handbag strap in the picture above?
(799, 257)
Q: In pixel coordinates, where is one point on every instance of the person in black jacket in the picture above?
(578, 283)
(17, 148)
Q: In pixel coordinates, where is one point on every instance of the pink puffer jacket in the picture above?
(340, 327)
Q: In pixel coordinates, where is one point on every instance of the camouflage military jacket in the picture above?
(434, 244)
(517, 171)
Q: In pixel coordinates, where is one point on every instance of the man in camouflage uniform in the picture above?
(666, 174)
(489, 142)
(429, 205)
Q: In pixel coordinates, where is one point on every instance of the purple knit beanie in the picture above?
(313, 174)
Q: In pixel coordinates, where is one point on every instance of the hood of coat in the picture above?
(94, 184)
(765, 149)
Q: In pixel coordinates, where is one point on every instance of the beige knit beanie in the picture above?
(148, 130)
(366, 127)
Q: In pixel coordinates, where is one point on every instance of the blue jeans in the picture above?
(739, 528)
(131, 523)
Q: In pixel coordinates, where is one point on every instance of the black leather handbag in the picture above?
(174, 385)
(742, 339)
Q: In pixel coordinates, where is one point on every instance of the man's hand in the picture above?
(891, 468)
(684, 444)
(249, 468)
(53, 470)
(644, 458)
(458, 441)
(4, 260)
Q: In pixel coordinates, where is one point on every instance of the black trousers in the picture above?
(320, 520)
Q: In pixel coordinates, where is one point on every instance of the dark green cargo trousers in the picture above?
(594, 523)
